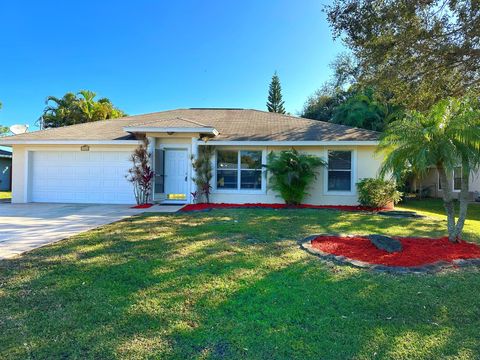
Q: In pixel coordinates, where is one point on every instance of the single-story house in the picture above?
(87, 163)
(5, 170)
(430, 185)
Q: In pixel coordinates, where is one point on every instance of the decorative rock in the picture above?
(385, 243)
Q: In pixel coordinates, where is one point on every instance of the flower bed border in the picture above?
(306, 244)
(277, 206)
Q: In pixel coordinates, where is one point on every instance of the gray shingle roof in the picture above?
(232, 125)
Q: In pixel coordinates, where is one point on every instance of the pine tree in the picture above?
(275, 102)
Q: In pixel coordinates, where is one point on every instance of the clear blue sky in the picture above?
(150, 56)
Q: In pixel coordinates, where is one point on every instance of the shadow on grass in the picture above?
(229, 284)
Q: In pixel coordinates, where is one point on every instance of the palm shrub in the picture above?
(203, 173)
(141, 173)
(291, 174)
(377, 193)
(446, 136)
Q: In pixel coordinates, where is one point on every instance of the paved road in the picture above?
(24, 227)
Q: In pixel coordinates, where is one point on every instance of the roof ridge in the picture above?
(169, 119)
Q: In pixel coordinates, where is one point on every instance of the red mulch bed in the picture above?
(199, 207)
(416, 251)
(143, 206)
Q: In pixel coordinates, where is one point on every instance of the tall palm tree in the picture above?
(443, 138)
(59, 111)
(86, 104)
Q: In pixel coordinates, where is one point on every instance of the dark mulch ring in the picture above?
(418, 255)
(207, 207)
(401, 214)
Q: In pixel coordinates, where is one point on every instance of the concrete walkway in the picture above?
(24, 227)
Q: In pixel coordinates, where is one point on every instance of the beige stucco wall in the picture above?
(430, 180)
(21, 164)
(365, 162)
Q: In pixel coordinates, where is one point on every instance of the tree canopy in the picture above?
(418, 51)
(363, 108)
(275, 102)
(353, 107)
(76, 109)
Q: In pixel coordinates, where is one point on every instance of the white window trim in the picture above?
(263, 190)
(353, 170)
(453, 181)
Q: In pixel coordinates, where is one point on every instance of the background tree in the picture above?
(363, 108)
(418, 51)
(275, 102)
(343, 100)
(356, 107)
(322, 104)
(445, 137)
(76, 109)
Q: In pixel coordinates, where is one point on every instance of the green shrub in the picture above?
(292, 173)
(377, 193)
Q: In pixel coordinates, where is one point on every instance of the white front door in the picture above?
(176, 175)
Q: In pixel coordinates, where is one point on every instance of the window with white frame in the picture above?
(239, 170)
(339, 171)
(457, 179)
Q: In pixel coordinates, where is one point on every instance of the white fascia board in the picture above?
(69, 142)
(154, 129)
(290, 143)
(6, 156)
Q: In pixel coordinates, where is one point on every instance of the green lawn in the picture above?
(434, 208)
(232, 284)
(5, 194)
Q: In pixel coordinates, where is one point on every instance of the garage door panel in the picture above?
(81, 177)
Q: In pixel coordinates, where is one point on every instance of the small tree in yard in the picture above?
(292, 173)
(446, 136)
(203, 169)
(141, 174)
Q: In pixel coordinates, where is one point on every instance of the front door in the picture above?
(176, 175)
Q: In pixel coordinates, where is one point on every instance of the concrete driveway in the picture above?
(24, 227)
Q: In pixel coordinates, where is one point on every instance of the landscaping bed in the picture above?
(206, 207)
(416, 254)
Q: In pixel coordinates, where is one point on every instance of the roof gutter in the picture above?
(290, 143)
(69, 142)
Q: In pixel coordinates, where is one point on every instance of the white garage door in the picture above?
(81, 177)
